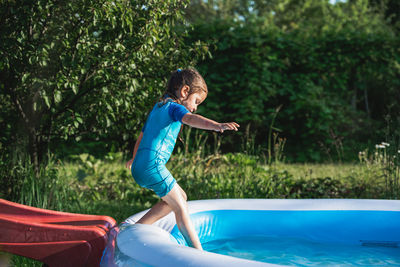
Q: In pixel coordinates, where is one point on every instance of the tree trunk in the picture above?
(34, 151)
(366, 102)
(353, 88)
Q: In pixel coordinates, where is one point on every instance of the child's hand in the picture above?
(227, 126)
(129, 164)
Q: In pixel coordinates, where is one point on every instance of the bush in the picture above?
(326, 83)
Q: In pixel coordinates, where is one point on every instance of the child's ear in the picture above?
(185, 91)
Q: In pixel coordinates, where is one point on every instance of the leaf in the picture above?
(46, 101)
(83, 157)
(24, 77)
(74, 88)
(57, 97)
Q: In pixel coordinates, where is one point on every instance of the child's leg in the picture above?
(159, 210)
(178, 204)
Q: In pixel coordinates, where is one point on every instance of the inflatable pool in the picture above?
(275, 228)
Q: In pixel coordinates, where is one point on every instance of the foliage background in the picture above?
(333, 70)
(81, 77)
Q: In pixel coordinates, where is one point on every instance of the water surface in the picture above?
(302, 252)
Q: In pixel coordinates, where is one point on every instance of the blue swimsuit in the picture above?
(159, 136)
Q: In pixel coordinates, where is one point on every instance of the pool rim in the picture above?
(168, 222)
(185, 256)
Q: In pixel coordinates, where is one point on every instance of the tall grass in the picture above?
(46, 190)
(385, 163)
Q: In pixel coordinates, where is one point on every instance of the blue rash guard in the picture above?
(159, 137)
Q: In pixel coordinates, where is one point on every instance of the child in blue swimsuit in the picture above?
(186, 90)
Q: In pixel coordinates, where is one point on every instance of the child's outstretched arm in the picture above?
(198, 121)
(129, 163)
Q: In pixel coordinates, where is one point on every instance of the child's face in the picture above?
(194, 100)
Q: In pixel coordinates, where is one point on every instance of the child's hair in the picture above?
(179, 78)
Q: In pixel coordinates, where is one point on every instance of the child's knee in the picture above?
(184, 196)
(181, 209)
(183, 193)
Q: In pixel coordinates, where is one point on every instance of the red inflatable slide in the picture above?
(52, 237)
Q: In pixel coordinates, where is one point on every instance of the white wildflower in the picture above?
(385, 144)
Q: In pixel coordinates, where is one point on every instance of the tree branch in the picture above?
(20, 109)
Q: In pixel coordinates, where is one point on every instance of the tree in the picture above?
(390, 9)
(200, 10)
(77, 67)
(334, 69)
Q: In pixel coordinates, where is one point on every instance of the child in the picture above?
(186, 90)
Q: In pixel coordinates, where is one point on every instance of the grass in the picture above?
(312, 171)
(104, 186)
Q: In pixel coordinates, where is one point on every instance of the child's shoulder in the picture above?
(163, 106)
(168, 103)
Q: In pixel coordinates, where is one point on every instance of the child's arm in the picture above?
(129, 163)
(201, 122)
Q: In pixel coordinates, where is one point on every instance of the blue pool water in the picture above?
(303, 252)
(302, 237)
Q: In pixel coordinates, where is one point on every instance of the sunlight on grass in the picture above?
(337, 171)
